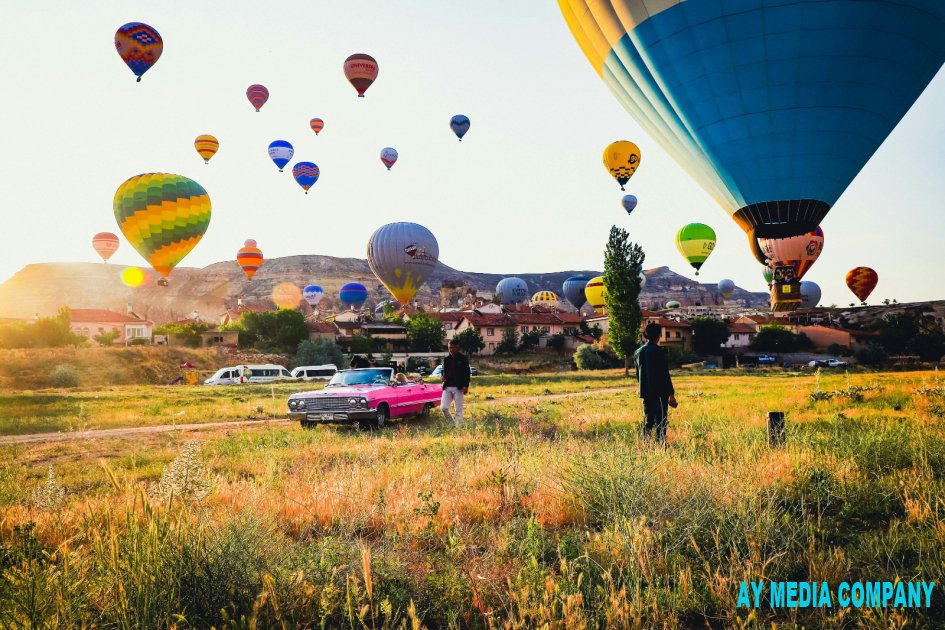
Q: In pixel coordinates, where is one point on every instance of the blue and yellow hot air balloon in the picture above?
(163, 216)
(402, 255)
(772, 106)
(139, 46)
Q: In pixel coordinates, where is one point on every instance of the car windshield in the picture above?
(373, 376)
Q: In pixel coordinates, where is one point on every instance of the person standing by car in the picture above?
(455, 383)
(656, 386)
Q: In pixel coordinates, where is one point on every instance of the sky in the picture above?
(525, 191)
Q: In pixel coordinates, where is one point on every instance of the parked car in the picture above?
(249, 374)
(836, 363)
(438, 371)
(314, 372)
(368, 396)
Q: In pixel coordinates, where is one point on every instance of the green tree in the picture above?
(319, 352)
(708, 334)
(587, 357)
(188, 334)
(911, 334)
(774, 339)
(107, 337)
(871, 354)
(593, 331)
(424, 333)
(44, 332)
(557, 342)
(280, 330)
(509, 343)
(470, 341)
(530, 339)
(362, 343)
(623, 261)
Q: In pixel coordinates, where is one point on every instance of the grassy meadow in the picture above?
(547, 512)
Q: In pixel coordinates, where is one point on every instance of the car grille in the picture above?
(327, 404)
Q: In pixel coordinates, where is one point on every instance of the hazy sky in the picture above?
(524, 192)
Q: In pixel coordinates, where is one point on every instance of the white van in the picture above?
(314, 372)
(249, 374)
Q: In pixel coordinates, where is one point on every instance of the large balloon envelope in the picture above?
(257, 95)
(402, 256)
(460, 125)
(280, 152)
(798, 252)
(595, 292)
(105, 244)
(139, 46)
(512, 290)
(250, 258)
(573, 290)
(772, 106)
(621, 160)
(163, 216)
(695, 242)
(206, 146)
(810, 294)
(305, 174)
(862, 281)
(361, 71)
(726, 288)
(353, 294)
(313, 294)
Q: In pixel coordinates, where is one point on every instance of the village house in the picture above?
(740, 335)
(90, 322)
(760, 321)
(823, 337)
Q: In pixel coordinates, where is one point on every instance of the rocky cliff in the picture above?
(44, 288)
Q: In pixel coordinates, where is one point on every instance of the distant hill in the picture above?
(44, 288)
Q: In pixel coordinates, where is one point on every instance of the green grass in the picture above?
(549, 513)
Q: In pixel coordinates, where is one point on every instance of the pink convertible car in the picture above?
(367, 396)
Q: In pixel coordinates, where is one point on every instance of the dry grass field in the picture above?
(545, 512)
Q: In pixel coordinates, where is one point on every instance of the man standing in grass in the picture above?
(656, 386)
(455, 383)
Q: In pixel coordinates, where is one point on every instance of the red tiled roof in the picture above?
(489, 319)
(98, 315)
(741, 328)
(570, 318)
(322, 327)
(449, 316)
(535, 318)
(671, 323)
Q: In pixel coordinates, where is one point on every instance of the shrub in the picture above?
(872, 354)
(64, 376)
(107, 337)
(185, 478)
(586, 357)
(319, 352)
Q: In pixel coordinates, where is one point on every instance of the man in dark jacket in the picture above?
(455, 383)
(656, 386)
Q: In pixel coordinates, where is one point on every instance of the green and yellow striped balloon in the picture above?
(163, 216)
(695, 242)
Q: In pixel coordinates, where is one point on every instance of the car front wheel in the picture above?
(382, 415)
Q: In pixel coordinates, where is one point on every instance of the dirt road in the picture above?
(100, 434)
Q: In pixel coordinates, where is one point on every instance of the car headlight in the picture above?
(352, 402)
(294, 404)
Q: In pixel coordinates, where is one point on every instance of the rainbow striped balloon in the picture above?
(257, 95)
(250, 258)
(317, 125)
(163, 216)
(139, 46)
(206, 146)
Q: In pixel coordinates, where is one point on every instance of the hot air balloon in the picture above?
(798, 252)
(106, 244)
(768, 274)
(317, 125)
(862, 281)
(695, 242)
(313, 294)
(697, 76)
(460, 125)
(280, 152)
(629, 203)
(402, 256)
(545, 297)
(139, 46)
(306, 174)
(726, 288)
(388, 156)
(163, 216)
(810, 294)
(642, 280)
(621, 160)
(512, 290)
(257, 95)
(249, 257)
(673, 304)
(361, 71)
(353, 295)
(595, 292)
(573, 290)
(206, 146)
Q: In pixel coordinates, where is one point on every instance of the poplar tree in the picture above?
(623, 261)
